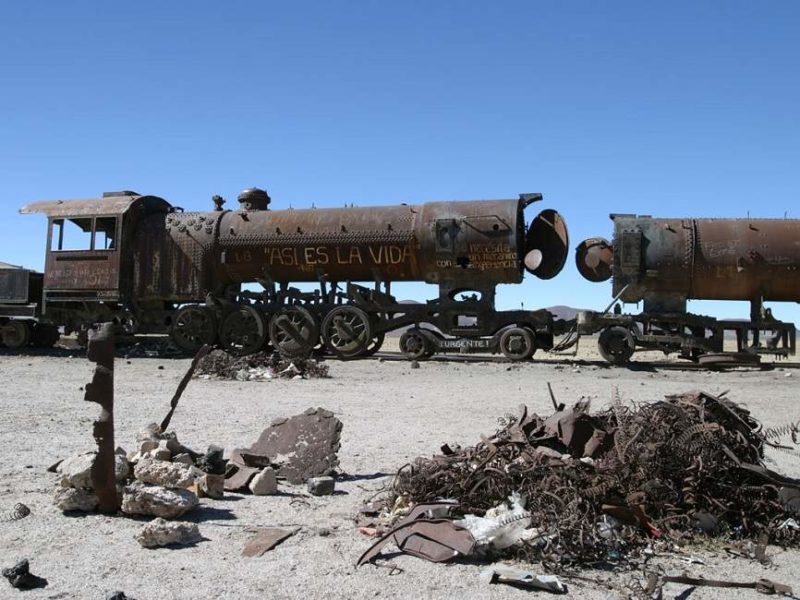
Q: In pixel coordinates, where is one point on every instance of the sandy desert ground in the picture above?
(391, 414)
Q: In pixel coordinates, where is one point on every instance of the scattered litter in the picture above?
(258, 367)
(265, 539)
(789, 524)
(20, 577)
(518, 577)
(501, 527)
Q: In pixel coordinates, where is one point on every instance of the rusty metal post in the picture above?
(101, 391)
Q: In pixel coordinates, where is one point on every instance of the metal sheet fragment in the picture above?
(303, 446)
(436, 540)
(265, 539)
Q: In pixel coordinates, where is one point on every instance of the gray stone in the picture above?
(76, 471)
(159, 532)
(68, 498)
(321, 486)
(183, 458)
(142, 499)
(164, 473)
(264, 483)
(212, 486)
(121, 467)
(303, 446)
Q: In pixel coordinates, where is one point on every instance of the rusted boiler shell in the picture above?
(453, 243)
(705, 259)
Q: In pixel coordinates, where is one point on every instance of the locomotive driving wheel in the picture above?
(193, 327)
(347, 331)
(15, 334)
(517, 343)
(375, 344)
(293, 331)
(243, 331)
(616, 345)
(414, 345)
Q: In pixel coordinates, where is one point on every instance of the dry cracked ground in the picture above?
(391, 414)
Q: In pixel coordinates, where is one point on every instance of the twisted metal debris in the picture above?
(262, 365)
(600, 487)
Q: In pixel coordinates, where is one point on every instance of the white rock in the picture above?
(265, 483)
(142, 499)
(147, 446)
(159, 532)
(68, 498)
(160, 472)
(158, 454)
(76, 471)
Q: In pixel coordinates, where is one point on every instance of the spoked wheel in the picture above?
(375, 344)
(243, 331)
(347, 331)
(518, 343)
(293, 331)
(414, 345)
(16, 334)
(616, 345)
(193, 327)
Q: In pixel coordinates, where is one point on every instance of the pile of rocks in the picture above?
(162, 478)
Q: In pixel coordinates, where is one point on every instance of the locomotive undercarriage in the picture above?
(694, 337)
(353, 322)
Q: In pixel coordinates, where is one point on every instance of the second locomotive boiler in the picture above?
(665, 262)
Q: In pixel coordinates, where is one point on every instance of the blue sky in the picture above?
(672, 109)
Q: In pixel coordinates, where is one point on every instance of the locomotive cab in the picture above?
(87, 258)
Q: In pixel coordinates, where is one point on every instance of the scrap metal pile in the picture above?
(600, 487)
(262, 365)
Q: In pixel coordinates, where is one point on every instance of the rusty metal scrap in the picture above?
(436, 540)
(204, 350)
(101, 391)
(600, 486)
(265, 539)
(304, 445)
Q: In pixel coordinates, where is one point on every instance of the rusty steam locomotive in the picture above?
(148, 266)
(665, 262)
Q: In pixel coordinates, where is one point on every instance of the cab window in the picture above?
(84, 233)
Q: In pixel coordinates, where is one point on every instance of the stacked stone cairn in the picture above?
(162, 479)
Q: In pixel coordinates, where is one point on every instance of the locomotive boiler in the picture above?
(153, 268)
(665, 262)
